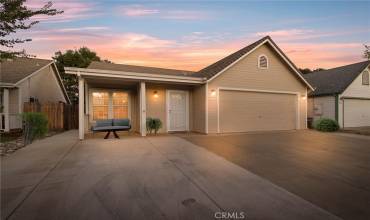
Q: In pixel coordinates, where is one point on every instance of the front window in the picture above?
(120, 105)
(108, 104)
(100, 105)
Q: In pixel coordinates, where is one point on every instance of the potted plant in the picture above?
(153, 124)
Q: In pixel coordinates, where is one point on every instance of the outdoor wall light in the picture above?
(304, 97)
(155, 94)
(213, 92)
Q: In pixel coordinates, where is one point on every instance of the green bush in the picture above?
(326, 124)
(153, 124)
(35, 125)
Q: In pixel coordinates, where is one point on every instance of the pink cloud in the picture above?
(191, 52)
(141, 11)
(287, 35)
(73, 10)
(137, 10)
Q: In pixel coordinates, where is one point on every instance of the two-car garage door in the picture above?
(241, 111)
(356, 112)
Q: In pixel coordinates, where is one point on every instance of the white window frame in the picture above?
(110, 102)
(259, 61)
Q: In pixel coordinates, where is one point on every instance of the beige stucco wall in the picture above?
(43, 86)
(199, 109)
(327, 104)
(246, 74)
(156, 106)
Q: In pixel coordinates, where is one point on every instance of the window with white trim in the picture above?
(365, 78)
(109, 104)
(100, 104)
(263, 62)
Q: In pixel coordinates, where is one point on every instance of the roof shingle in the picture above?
(336, 80)
(139, 69)
(14, 70)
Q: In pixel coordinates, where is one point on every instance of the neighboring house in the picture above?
(254, 89)
(25, 79)
(342, 94)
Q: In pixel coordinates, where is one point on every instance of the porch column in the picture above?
(6, 110)
(142, 109)
(81, 115)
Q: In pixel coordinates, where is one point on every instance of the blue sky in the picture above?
(193, 34)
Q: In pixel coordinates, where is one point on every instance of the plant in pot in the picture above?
(153, 124)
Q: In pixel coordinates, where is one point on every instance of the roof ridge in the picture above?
(339, 67)
(122, 64)
(247, 48)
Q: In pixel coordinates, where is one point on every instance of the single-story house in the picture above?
(25, 79)
(342, 94)
(257, 88)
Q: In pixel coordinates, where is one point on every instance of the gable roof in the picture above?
(140, 69)
(206, 74)
(336, 80)
(14, 70)
(218, 67)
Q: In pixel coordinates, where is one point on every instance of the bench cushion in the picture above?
(103, 123)
(111, 128)
(121, 122)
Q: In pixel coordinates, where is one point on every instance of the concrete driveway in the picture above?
(329, 170)
(138, 178)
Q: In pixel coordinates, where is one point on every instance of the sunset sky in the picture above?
(190, 36)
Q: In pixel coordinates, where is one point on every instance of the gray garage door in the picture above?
(242, 111)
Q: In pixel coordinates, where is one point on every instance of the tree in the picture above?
(367, 51)
(80, 58)
(15, 16)
(307, 70)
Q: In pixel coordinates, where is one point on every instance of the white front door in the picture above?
(177, 110)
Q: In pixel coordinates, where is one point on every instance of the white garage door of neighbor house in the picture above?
(242, 111)
(356, 112)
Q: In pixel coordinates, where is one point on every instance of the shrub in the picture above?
(153, 124)
(326, 124)
(35, 125)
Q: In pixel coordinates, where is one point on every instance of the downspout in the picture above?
(336, 107)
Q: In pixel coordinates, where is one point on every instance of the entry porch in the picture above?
(177, 104)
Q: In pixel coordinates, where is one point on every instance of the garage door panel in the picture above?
(253, 111)
(356, 113)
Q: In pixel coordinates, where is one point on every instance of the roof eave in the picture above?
(133, 75)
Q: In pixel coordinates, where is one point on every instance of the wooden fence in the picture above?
(60, 115)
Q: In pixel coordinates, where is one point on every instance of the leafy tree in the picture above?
(15, 16)
(80, 58)
(307, 70)
(318, 69)
(367, 51)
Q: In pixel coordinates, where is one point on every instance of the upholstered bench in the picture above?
(111, 125)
